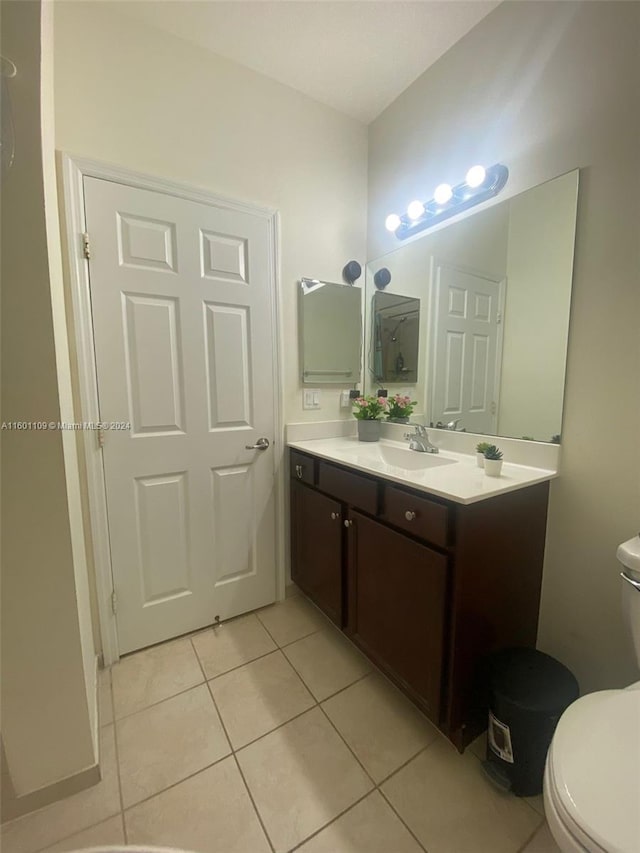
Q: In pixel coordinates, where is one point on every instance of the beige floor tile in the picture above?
(382, 727)
(208, 813)
(327, 662)
(542, 842)
(369, 827)
(59, 820)
(166, 743)
(450, 806)
(301, 776)
(536, 803)
(108, 833)
(104, 697)
(291, 619)
(232, 644)
(259, 697)
(154, 674)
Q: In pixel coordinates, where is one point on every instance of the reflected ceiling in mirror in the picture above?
(495, 292)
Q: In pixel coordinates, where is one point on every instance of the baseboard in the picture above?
(13, 807)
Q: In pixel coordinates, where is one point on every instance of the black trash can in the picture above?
(529, 691)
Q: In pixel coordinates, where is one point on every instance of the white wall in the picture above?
(138, 97)
(48, 672)
(547, 87)
(539, 271)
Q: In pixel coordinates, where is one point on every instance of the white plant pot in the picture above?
(480, 460)
(492, 467)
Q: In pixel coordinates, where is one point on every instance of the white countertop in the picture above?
(454, 476)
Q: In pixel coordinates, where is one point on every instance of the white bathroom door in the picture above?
(467, 348)
(182, 297)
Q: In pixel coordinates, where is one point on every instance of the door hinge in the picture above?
(100, 437)
(499, 317)
(493, 407)
(114, 602)
(86, 248)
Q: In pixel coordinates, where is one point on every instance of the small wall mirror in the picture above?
(395, 338)
(330, 333)
(495, 291)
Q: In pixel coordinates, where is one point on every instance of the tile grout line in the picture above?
(117, 758)
(237, 763)
(317, 703)
(330, 823)
(529, 839)
(376, 786)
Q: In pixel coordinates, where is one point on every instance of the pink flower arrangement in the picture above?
(400, 406)
(369, 408)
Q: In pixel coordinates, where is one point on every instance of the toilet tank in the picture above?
(629, 556)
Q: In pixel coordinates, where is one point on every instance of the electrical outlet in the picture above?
(311, 398)
(345, 400)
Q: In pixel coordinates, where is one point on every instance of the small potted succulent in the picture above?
(368, 411)
(400, 408)
(480, 449)
(492, 461)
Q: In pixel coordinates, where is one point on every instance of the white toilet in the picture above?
(592, 774)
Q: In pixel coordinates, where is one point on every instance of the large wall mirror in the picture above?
(330, 333)
(494, 292)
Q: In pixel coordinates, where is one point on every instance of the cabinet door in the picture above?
(396, 607)
(316, 548)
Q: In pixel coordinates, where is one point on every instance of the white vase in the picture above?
(492, 467)
(480, 460)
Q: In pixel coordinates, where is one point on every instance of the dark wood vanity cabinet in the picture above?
(397, 607)
(316, 549)
(427, 588)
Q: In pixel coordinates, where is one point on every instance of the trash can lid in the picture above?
(532, 680)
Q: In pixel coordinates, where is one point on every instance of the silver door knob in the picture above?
(348, 522)
(409, 515)
(261, 444)
(335, 515)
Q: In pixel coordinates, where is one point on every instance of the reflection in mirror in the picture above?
(492, 350)
(330, 332)
(395, 338)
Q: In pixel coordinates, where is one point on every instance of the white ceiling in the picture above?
(354, 55)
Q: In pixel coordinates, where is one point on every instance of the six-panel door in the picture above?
(182, 312)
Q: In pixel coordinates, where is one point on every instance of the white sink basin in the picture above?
(410, 460)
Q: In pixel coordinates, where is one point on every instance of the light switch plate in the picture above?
(311, 398)
(345, 400)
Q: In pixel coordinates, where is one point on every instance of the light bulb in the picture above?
(442, 193)
(392, 222)
(475, 176)
(415, 210)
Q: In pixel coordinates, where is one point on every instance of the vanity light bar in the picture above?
(479, 185)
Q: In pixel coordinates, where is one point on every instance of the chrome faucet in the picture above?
(419, 440)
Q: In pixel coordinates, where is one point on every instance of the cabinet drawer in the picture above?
(417, 515)
(302, 467)
(360, 492)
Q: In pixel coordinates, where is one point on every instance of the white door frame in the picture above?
(73, 170)
(436, 263)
